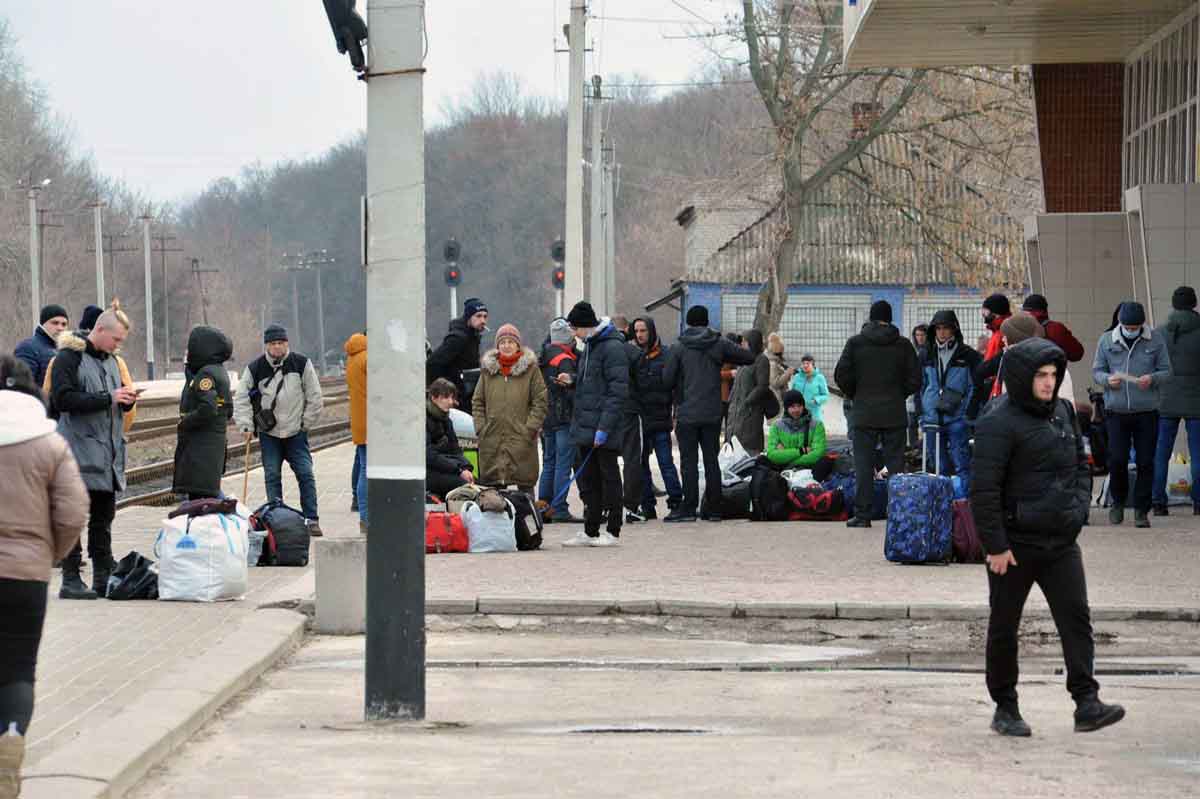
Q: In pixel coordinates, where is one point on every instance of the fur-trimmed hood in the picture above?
(72, 340)
(490, 362)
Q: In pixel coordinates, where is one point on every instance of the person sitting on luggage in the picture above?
(797, 441)
(446, 468)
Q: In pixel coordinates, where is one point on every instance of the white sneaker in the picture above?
(606, 540)
(580, 539)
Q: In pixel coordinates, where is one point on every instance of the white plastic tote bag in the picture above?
(203, 558)
(491, 532)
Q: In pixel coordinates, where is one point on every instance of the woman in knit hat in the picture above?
(781, 373)
(509, 406)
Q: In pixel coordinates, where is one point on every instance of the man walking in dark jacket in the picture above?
(39, 349)
(596, 425)
(558, 363)
(878, 370)
(459, 351)
(1180, 397)
(1030, 497)
(657, 401)
(693, 373)
(205, 408)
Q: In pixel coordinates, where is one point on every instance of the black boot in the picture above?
(101, 569)
(72, 583)
(858, 521)
(1092, 714)
(1008, 721)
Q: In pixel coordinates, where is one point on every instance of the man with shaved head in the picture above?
(86, 392)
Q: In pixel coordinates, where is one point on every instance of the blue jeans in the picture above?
(295, 451)
(360, 475)
(660, 445)
(558, 459)
(360, 455)
(1167, 429)
(956, 451)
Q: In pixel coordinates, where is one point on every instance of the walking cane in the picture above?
(246, 472)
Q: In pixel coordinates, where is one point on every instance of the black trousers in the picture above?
(864, 442)
(1059, 573)
(631, 455)
(708, 438)
(1127, 431)
(102, 509)
(600, 488)
(22, 615)
(440, 484)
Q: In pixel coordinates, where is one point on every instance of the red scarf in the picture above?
(507, 362)
(996, 343)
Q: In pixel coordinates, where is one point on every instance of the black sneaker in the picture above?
(1161, 510)
(1116, 514)
(1008, 721)
(649, 514)
(711, 517)
(679, 515)
(855, 521)
(1092, 715)
(634, 517)
(1141, 518)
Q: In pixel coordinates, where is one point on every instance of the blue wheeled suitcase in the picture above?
(920, 513)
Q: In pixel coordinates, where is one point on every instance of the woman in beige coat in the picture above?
(781, 373)
(43, 508)
(509, 407)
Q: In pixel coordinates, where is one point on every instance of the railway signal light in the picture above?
(558, 251)
(453, 276)
(558, 277)
(450, 251)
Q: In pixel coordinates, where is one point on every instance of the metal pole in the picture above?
(558, 303)
(98, 223)
(596, 286)
(573, 277)
(149, 300)
(166, 311)
(321, 322)
(453, 302)
(395, 656)
(610, 242)
(35, 258)
(295, 331)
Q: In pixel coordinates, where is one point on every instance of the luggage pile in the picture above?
(478, 519)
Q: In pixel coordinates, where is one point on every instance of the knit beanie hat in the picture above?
(582, 315)
(881, 311)
(473, 306)
(1035, 302)
(1021, 326)
(1184, 299)
(274, 333)
(793, 397)
(697, 316)
(1132, 313)
(90, 314)
(50, 312)
(508, 330)
(560, 331)
(998, 304)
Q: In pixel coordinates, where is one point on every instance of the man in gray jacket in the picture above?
(279, 398)
(1132, 364)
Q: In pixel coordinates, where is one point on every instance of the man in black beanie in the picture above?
(459, 351)
(878, 370)
(38, 350)
(693, 374)
(1180, 396)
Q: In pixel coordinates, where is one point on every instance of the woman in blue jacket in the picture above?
(811, 383)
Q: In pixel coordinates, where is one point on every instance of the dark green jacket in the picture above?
(1180, 396)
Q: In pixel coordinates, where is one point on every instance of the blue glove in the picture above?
(601, 439)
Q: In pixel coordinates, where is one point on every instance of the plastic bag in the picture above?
(490, 532)
(135, 577)
(733, 457)
(799, 478)
(203, 558)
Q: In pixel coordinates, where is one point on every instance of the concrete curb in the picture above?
(145, 733)
(857, 611)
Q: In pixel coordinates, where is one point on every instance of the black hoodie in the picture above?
(648, 383)
(878, 370)
(458, 352)
(205, 407)
(1031, 484)
(693, 373)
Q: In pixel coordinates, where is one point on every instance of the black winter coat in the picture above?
(693, 372)
(649, 384)
(560, 399)
(1180, 397)
(633, 402)
(37, 351)
(443, 454)
(600, 391)
(878, 370)
(458, 352)
(1031, 482)
(205, 408)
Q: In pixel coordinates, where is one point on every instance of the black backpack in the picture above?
(528, 521)
(769, 501)
(287, 535)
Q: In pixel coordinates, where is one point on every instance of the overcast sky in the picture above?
(168, 95)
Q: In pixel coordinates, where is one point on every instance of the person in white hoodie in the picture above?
(43, 508)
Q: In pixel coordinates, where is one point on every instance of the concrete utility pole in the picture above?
(610, 239)
(149, 299)
(317, 260)
(163, 249)
(395, 660)
(576, 38)
(98, 222)
(35, 258)
(596, 286)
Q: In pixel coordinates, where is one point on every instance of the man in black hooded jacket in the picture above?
(657, 416)
(459, 351)
(205, 408)
(878, 370)
(1030, 496)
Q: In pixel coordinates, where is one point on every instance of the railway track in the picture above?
(148, 429)
(156, 477)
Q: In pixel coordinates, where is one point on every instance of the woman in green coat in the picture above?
(797, 441)
(509, 406)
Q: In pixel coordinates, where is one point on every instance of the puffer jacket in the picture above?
(559, 359)
(37, 352)
(878, 370)
(78, 341)
(648, 382)
(43, 501)
(601, 389)
(356, 385)
(815, 390)
(443, 453)
(693, 373)
(295, 380)
(1031, 483)
(205, 407)
(958, 376)
(508, 412)
(1181, 394)
(1147, 356)
(796, 444)
(458, 353)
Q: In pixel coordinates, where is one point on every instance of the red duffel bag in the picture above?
(445, 532)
